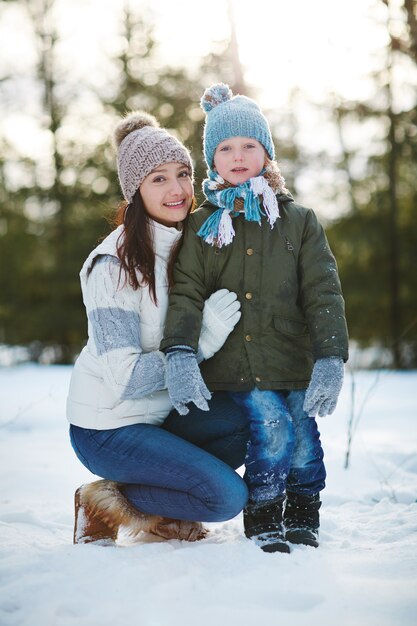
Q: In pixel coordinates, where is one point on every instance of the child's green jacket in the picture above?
(287, 282)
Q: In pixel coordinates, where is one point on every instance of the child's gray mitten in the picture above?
(184, 381)
(220, 316)
(325, 385)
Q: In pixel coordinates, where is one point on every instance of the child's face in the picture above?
(239, 158)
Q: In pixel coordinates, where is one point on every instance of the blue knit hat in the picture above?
(232, 116)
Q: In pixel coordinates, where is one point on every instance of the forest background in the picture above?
(58, 182)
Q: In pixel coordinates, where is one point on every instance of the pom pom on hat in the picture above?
(141, 147)
(215, 95)
(133, 121)
(232, 116)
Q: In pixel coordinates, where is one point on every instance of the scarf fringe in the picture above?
(261, 187)
(218, 229)
(252, 207)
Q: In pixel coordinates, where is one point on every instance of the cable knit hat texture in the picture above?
(141, 147)
(232, 116)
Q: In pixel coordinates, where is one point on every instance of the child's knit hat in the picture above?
(232, 116)
(141, 147)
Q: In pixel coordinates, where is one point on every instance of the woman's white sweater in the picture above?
(124, 332)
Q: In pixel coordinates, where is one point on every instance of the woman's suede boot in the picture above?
(263, 525)
(302, 519)
(101, 509)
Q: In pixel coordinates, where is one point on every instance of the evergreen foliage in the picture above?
(376, 242)
(55, 206)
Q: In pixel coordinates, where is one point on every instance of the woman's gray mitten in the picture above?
(184, 381)
(325, 385)
(148, 376)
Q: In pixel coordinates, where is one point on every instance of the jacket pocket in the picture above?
(296, 328)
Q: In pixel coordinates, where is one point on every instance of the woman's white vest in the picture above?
(106, 364)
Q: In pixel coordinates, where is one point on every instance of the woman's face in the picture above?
(167, 193)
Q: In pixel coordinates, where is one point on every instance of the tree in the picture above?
(56, 205)
(58, 208)
(376, 243)
(48, 215)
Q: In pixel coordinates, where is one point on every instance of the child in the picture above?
(283, 363)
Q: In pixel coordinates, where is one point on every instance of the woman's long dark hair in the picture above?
(136, 248)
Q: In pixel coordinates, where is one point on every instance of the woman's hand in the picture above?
(184, 381)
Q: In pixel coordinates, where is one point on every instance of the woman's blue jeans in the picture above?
(183, 469)
(284, 452)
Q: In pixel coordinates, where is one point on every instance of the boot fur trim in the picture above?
(102, 500)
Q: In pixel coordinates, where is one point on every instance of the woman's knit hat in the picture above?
(232, 116)
(141, 147)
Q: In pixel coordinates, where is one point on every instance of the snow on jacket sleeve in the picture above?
(113, 314)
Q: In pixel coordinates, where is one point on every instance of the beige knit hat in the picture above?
(141, 147)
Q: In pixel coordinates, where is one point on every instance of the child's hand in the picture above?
(184, 381)
(220, 316)
(325, 385)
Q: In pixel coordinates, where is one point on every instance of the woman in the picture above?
(163, 473)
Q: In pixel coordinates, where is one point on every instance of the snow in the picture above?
(364, 572)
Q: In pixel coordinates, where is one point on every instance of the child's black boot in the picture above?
(301, 519)
(263, 524)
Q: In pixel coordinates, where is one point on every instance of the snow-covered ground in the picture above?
(363, 574)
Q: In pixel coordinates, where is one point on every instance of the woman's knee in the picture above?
(231, 499)
(238, 498)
